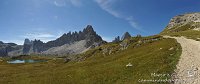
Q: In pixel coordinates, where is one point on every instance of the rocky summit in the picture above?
(183, 19)
(126, 36)
(68, 43)
(183, 22)
(117, 39)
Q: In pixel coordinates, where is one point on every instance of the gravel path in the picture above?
(188, 68)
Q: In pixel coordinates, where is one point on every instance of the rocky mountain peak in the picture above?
(88, 36)
(5, 48)
(117, 39)
(126, 36)
(183, 19)
(65, 35)
(1, 42)
(37, 41)
(89, 30)
(27, 41)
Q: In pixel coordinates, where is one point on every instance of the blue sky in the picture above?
(48, 19)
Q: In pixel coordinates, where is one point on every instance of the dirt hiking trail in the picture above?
(188, 67)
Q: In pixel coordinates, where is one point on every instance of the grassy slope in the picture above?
(99, 69)
(185, 30)
(191, 34)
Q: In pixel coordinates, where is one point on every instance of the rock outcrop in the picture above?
(3, 52)
(116, 40)
(183, 19)
(126, 36)
(1, 42)
(5, 48)
(184, 22)
(27, 46)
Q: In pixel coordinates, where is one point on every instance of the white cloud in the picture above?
(133, 24)
(18, 41)
(61, 3)
(76, 3)
(106, 5)
(45, 37)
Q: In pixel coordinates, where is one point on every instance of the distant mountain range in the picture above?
(70, 43)
(79, 42)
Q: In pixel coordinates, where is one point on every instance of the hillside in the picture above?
(99, 42)
(103, 65)
(186, 30)
(187, 25)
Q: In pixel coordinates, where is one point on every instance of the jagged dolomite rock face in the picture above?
(68, 43)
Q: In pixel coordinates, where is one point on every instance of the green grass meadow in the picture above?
(152, 57)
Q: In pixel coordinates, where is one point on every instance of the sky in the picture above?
(49, 19)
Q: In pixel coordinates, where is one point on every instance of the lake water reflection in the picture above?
(24, 61)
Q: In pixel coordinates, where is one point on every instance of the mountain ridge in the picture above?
(183, 22)
(5, 48)
(187, 25)
(88, 34)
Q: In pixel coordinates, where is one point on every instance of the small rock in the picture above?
(110, 52)
(160, 48)
(129, 65)
(66, 60)
(172, 48)
(69, 76)
(196, 69)
(139, 41)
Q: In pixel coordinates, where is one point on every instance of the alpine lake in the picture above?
(21, 61)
